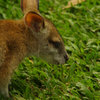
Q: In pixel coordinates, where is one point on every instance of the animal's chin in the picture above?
(54, 62)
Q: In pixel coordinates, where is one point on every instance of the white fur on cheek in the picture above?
(59, 58)
(53, 50)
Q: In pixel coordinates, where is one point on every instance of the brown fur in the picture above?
(32, 35)
(16, 42)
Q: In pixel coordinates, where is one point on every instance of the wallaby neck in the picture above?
(31, 41)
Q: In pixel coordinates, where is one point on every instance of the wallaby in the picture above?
(32, 35)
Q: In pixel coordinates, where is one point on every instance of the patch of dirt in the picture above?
(73, 2)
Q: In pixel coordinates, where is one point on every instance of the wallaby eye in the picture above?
(56, 44)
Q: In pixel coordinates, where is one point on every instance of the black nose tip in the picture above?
(66, 58)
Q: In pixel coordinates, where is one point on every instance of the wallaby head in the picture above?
(50, 44)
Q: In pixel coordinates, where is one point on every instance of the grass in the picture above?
(79, 78)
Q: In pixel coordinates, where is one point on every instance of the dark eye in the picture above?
(56, 44)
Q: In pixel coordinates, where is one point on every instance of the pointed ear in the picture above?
(26, 4)
(23, 4)
(34, 21)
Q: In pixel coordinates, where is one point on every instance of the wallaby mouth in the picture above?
(61, 62)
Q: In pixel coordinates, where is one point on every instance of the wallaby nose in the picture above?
(66, 58)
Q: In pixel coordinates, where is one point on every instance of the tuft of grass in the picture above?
(79, 78)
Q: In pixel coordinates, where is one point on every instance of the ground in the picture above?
(73, 3)
(79, 78)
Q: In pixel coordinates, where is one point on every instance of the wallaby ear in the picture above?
(23, 4)
(34, 21)
(29, 4)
